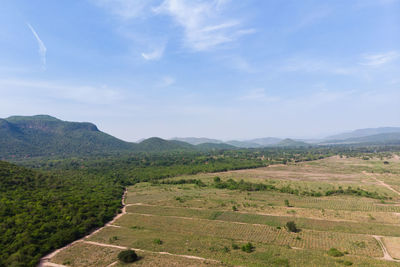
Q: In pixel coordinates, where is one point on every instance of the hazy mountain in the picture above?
(267, 141)
(381, 139)
(243, 144)
(214, 146)
(364, 132)
(253, 143)
(292, 143)
(197, 140)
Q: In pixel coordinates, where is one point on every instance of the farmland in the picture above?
(351, 204)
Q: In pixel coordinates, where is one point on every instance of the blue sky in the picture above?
(219, 68)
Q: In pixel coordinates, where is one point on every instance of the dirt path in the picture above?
(45, 261)
(382, 183)
(386, 255)
(149, 251)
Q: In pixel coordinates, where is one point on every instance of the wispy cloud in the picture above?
(42, 47)
(375, 60)
(86, 94)
(259, 95)
(125, 9)
(204, 26)
(155, 54)
(166, 81)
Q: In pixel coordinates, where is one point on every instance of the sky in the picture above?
(224, 69)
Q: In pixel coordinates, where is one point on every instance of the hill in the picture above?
(156, 144)
(266, 141)
(378, 139)
(213, 146)
(197, 140)
(364, 132)
(43, 135)
(292, 143)
(243, 144)
(28, 136)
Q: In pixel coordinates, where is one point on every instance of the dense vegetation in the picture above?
(41, 212)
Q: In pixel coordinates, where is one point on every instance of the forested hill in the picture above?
(40, 135)
(43, 135)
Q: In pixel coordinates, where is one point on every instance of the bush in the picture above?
(291, 227)
(335, 252)
(248, 247)
(281, 262)
(234, 208)
(157, 241)
(127, 256)
(235, 246)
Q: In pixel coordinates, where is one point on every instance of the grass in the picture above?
(188, 219)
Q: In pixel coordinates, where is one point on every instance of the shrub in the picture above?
(127, 256)
(287, 204)
(234, 208)
(248, 247)
(335, 252)
(291, 227)
(281, 262)
(157, 241)
(235, 246)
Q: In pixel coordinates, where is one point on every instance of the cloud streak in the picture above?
(203, 24)
(155, 54)
(42, 47)
(375, 60)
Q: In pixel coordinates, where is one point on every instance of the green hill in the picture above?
(156, 144)
(43, 135)
(292, 143)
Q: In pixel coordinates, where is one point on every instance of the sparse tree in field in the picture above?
(334, 252)
(127, 256)
(291, 227)
(248, 247)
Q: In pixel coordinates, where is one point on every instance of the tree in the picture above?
(127, 256)
(291, 227)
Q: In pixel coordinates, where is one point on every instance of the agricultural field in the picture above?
(346, 212)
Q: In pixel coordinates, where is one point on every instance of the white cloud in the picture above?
(203, 24)
(375, 60)
(42, 47)
(155, 54)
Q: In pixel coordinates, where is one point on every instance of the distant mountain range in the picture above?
(364, 132)
(43, 135)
